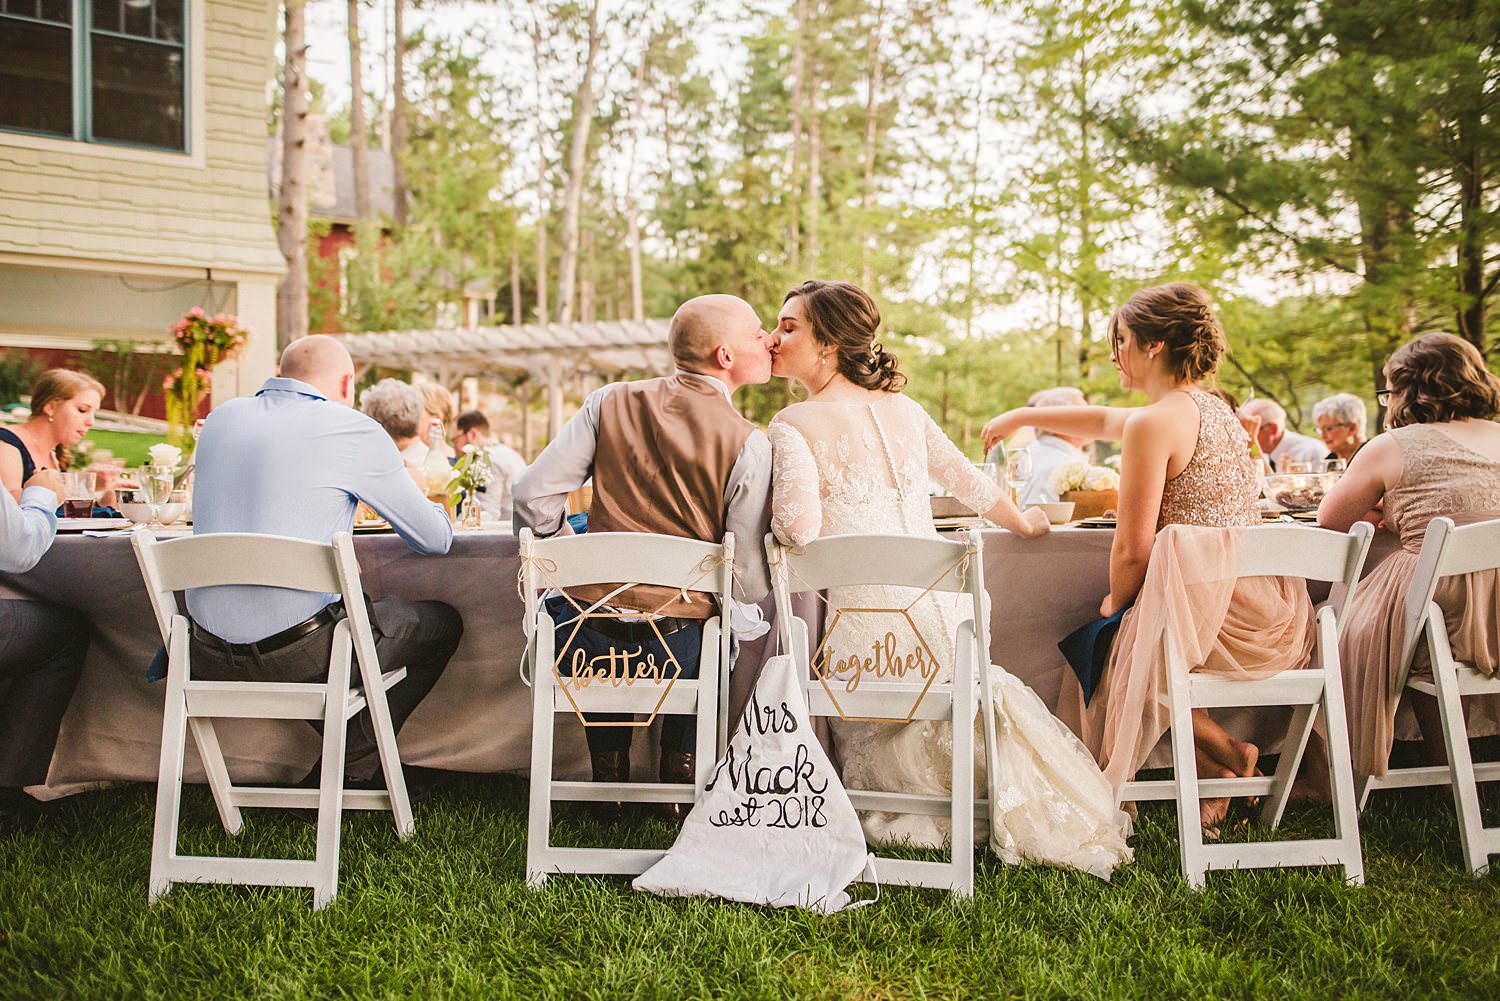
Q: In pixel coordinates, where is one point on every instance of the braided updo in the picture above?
(844, 317)
(1179, 317)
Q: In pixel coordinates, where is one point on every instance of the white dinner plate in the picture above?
(91, 524)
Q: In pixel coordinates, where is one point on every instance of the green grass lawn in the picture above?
(128, 445)
(447, 915)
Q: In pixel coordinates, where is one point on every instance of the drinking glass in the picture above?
(156, 487)
(78, 494)
(1017, 472)
(1334, 465)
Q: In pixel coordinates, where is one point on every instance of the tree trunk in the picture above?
(542, 310)
(583, 114)
(632, 207)
(359, 134)
(291, 231)
(1471, 243)
(588, 310)
(398, 111)
(814, 180)
(799, 72)
(516, 313)
(872, 92)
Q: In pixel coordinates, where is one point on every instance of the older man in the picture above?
(669, 456)
(41, 651)
(296, 460)
(1284, 448)
(1050, 450)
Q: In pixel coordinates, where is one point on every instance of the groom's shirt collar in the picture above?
(707, 378)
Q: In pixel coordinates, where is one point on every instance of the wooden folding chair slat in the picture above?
(1289, 551)
(1448, 551)
(192, 705)
(921, 564)
(618, 558)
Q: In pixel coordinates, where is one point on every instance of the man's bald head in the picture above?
(322, 362)
(700, 325)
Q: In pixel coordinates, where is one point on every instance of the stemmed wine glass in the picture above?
(1017, 472)
(156, 488)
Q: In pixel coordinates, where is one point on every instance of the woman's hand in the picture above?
(1002, 427)
(1034, 523)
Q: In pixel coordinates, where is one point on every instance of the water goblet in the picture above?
(156, 488)
(1017, 472)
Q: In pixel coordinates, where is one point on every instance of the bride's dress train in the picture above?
(842, 468)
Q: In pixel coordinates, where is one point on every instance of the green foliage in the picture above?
(18, 373)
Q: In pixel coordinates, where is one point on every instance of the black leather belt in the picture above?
(276, 641)
(637, 632)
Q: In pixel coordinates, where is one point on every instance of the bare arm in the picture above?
(10, 471)
(1146, 452)
(1374, 470)
(1079, 422)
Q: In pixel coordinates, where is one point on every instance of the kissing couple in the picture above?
(673, 456)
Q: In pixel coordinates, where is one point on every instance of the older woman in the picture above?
(1340, 420)
(397, 406)
(62, 411)
(1440, 458)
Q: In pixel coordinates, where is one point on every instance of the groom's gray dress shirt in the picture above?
(541, 494)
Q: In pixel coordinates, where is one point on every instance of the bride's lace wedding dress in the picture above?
(843, 468)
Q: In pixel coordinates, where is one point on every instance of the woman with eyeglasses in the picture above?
(1440, 458)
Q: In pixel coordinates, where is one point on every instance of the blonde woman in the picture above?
(63, 404)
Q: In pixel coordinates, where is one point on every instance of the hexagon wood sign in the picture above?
(621, 668)
(885, 660)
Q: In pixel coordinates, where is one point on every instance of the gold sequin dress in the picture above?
(1266, 628)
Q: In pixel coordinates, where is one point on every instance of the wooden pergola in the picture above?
(528, 354)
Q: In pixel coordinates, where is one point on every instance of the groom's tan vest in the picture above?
(665, 450)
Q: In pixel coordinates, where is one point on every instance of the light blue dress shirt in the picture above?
(288, 461)
(1047, 453)
(26, 529)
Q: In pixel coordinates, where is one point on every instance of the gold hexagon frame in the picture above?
(569, 681)
(821, 672)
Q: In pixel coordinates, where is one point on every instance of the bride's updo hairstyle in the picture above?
(844, 317)
(1179, 317)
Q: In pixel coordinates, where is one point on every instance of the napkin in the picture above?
(1087, 650)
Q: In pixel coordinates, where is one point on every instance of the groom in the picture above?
(669, 456)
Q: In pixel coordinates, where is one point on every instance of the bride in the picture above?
(857, 456)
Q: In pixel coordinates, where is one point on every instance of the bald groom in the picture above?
(669, 456)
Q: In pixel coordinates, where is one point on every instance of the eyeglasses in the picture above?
(1382, 396)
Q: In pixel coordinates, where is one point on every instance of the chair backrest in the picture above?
(908, 561)
(179, 564)
(1282, 550)
(1447, 551)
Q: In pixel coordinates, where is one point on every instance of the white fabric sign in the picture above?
(774, 825)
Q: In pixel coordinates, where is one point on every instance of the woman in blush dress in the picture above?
(1440, 458)
(857, 456)
(1185, 461)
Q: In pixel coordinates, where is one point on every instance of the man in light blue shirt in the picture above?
(296, 460)
(42, 647)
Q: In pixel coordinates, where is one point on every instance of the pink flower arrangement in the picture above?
(205, 341)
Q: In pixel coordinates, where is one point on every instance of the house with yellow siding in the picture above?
(132, 173)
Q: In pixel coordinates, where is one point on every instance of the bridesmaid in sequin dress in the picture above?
(1186, 460)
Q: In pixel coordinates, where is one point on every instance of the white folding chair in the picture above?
(904, 561)
(1448, 552)
(175, 565)
(1285, 551)
(607, 558)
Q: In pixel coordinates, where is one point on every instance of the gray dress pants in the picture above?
(41, 655)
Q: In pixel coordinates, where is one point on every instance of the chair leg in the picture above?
(1456, 742)
(212, 756)
(1340, 759)
(169, 772)
(539, 810)
(385, 736)
(961, 840)
(1293, 747)
(1185, 775)
(331, 776)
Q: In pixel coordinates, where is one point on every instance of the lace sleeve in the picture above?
(950, 468)
(796, 506)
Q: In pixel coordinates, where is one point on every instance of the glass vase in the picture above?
(471, 515)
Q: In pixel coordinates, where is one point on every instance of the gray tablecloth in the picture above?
(477, 717)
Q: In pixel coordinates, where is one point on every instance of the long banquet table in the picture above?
(477, 717)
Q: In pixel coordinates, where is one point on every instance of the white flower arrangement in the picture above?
(474, 468)
(1082, 476)
(164, 455)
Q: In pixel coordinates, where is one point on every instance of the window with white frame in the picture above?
(104, 71)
